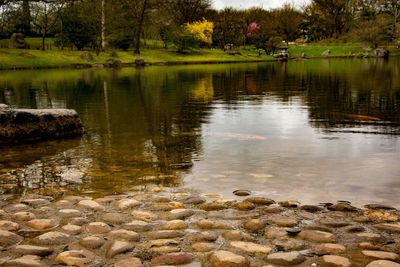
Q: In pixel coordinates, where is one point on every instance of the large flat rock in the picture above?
(31, 125)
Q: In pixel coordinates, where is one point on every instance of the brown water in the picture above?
(320, 130)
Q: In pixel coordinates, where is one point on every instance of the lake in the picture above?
(313, 131)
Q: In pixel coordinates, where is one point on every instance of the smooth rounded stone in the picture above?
(178, 214)
(138, 226)
(78, 258)
(244, 205)
(17, 207)
(118, 247)
(165, 234)
(382, 216)
(276, 232)
(334, 222)
(52, 238)
(168, 206)
(380, 255)
(311, 208)
(236, 235)
(251, 248)
(8, 239)
(342, 207)
(260, 201)
(286, 258)
(335, 261)
(208, 224)
(90, 204)
(72, 229)
(165, 249)
(42, 224)
(45, 210)
(379, 207)
(63, 203)
(317, 236)
(254, 225)
(195, 200)
(24, 216)
(79, 221)
(242, 193)
(203, 247)
(9, 226)
(97, 228)
(293, 231)
(25, 261)
(215, 205)
(388, 227)
(144, 216)
(115, 218)
(229, 214)
(329, 248)
(33, 250)
(124, 235)
(179, 258)
(39, 202)
(174, 225)
(383, 263)
(354, 229)
(125, 204)
(368, 246)
(369, 237)
(130, 262)
(227, 259)
(159, 243)
(3, 213)
(290, 204)
(69, 213)
(274, 208)
(92, 242)
(203, 236)
(318, 228)
(75, 199)
(284, 221)
(287, 245)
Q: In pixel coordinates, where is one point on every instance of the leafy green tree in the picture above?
(228, 27)
(328, 18)
(79, 29)
(374, 31)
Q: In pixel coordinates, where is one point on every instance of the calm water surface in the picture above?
(310, 130)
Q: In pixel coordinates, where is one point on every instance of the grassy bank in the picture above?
(13, 58)
(34, 58)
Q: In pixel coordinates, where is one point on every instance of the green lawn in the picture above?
(14, 58)
(35, 58)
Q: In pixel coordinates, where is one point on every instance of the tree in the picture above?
(79, 28)
(46, 14)
(187, 11)
(229, 24)
(328, 18)
(288, 21)
(374, 31)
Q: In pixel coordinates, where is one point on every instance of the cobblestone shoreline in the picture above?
(170, 227)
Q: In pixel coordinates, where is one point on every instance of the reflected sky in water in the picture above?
(310, 130)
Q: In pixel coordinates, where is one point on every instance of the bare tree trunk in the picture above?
(140, 27)
(44, 33)
(103, 24)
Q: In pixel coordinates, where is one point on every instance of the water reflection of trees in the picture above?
(145, 125)
(141, 126)
(362, 93)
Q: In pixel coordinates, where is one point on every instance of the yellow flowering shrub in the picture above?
(201, 30)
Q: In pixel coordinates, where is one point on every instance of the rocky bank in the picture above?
(170, 227)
